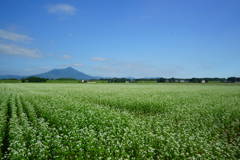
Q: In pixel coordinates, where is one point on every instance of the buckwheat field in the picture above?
(119, 121)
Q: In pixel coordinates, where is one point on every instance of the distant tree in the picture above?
(10, 79)
(161, 80)
(233, 79)
(214, 79)
(116, 80)
(171, 80)
(195, 80)
(206, 80)
(65, 79)
(34, 79)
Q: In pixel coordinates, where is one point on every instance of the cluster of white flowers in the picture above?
(94, 121)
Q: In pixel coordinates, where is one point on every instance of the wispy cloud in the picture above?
(14, 36)
(118, 68)
(77, 65)
(20, 51)
(62, 8)
(98, 59)
(65, 56)
(73, 65)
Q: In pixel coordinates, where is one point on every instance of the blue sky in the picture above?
(137, 38)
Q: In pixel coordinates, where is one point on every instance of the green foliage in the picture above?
(63, 81)
(66, 79)
(119, 121)
(34, 79)
(233, 79)
(9, 81)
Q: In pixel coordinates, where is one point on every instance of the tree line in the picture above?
(173, 80)
(125, 80)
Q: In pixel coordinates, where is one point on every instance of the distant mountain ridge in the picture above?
(11, 77)
(68, 72)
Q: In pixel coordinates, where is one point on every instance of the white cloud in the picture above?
(98, 59)
(20, 51)
(73, 65)
(14, 36)
(65, 56)
(77, 65)
(62, 9)
(116, 68)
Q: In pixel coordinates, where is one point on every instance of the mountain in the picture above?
(11, 77)
(68, 72)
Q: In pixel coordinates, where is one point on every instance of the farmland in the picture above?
(119, 121)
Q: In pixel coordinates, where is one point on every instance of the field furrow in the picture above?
(3, 109)
(6, 128)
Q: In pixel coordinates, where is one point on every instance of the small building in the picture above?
(83, 81)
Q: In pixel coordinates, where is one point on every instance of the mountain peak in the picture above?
(70, 68)
(68, 72)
